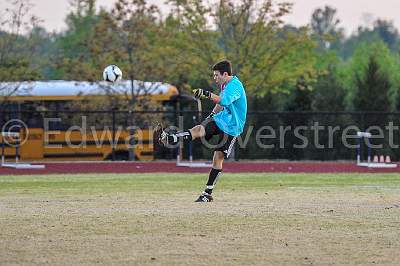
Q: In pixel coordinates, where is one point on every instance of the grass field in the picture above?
(151, 219)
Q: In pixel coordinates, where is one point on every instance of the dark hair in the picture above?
(223, 66)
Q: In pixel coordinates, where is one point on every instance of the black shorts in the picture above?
(225, 142)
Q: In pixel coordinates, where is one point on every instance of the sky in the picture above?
(352, 13)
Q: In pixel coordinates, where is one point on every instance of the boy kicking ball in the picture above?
(226, 121)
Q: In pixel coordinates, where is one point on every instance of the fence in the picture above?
(267, 135)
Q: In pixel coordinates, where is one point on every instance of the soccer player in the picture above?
(226, 121)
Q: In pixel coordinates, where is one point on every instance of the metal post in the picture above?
(369, 150)
(359, 150)
(131, 150)
(199, 110)
(17, 142)
(190, 152)
(181, 141)
(113, 135)
(2, 150)
(180, 126)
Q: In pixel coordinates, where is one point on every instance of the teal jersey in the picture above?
(232, 118)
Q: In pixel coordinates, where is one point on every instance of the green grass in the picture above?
(147, 183)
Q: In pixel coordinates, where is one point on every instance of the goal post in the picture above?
(13, 139)
(368, 163)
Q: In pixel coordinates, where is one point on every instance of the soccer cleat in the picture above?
(164, 138)
(204, 197)
(159, 135)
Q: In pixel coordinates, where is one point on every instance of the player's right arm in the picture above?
(204, 94)
(218, 108)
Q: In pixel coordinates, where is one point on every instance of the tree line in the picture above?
(284, 68)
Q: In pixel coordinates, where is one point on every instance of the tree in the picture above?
(372, 89)
(251, 34)
(387, 32)
(325, 27)
(329, 94)
(190, 45)
(382, 30)
(137, 25)
(76, 60)
(355, 69)
(301, 98)
(16, 49)
(372, 94)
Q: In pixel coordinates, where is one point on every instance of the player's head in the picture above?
(222, 71)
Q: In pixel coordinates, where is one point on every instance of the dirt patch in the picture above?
(290, 226)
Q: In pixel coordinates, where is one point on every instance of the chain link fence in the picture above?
(267, 136)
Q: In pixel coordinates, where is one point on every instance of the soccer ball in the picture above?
(112, 73)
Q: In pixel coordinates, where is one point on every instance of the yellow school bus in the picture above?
(39, 141)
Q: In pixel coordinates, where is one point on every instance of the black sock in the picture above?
(212, 179)
(186, 135)
(174, 138)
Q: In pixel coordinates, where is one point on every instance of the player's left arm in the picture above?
(205, 94)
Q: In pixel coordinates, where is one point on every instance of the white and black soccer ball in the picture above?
(112, 73)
